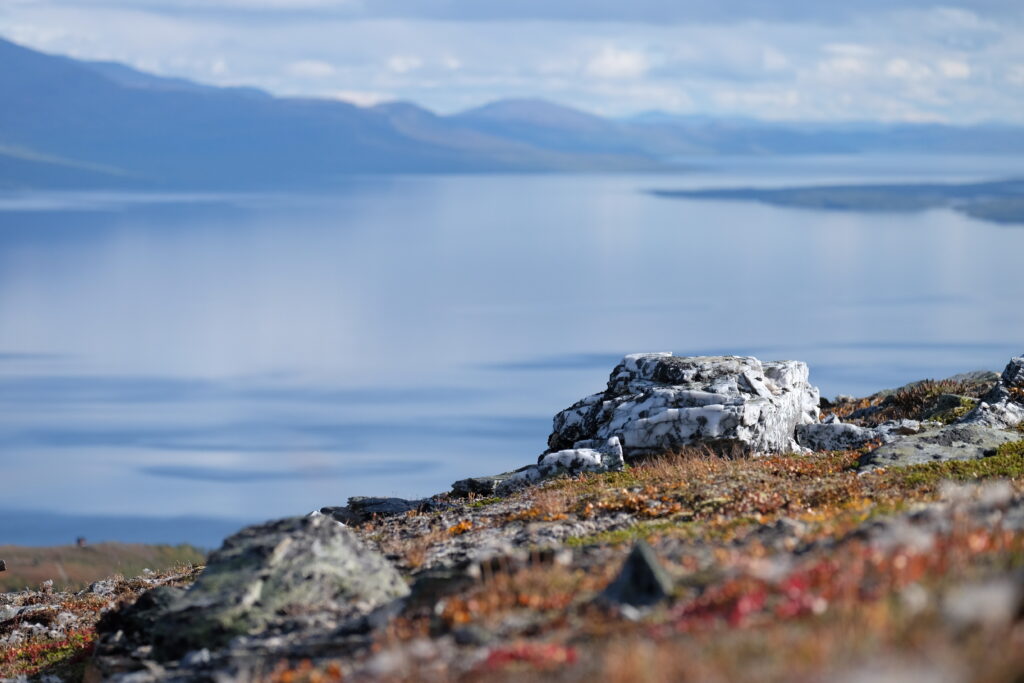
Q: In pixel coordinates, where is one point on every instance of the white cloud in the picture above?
(893, 65)
(842, 67)
(615, 63)
(310, 68)
(907, 70)
(361, 98)
(402, 64)
(773, 60)
(851, 50)
(757, 101)
(951, 68)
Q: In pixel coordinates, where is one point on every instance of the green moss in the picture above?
(628, 535)
(967, 404)
(594, 483)
(1008, 462)
(484, 502)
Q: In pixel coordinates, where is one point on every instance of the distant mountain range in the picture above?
(66, 123)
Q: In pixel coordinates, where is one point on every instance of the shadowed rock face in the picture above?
(642, 581)
(656, 402)
(260, 577)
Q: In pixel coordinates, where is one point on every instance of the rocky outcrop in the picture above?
(657, 402)
(258, 580)
(952, 442)
(835, 435)
(978, 434)
(1003, 406)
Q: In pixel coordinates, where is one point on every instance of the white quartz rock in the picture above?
(834, 435)
(657, 402)
(586, 456)
(1003, 407)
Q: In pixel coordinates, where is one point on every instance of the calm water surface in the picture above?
(252, 356)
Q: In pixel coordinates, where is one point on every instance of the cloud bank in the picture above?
(905, 60)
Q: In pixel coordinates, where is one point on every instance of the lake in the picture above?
(174, 365)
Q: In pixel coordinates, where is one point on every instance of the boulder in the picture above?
(952, 442)
(257, 578)
(656, 402)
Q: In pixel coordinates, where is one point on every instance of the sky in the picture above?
(891, 60)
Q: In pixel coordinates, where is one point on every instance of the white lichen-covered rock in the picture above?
(592, 456)
(1003, 406)
(657, 402)
(835, 435)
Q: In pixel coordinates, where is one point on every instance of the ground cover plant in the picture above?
(783, 568)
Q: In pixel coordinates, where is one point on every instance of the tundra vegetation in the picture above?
(793, 566)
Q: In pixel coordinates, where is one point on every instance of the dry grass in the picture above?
(72, 567)
(910, 402)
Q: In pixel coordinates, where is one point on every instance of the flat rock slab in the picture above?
(953, 442)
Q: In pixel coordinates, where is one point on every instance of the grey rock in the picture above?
(1003, 406)
(363, 508)
(258, 577)
(952, 442)
(197, 658)
(976, 377)
(472, 635)
(995, 603)
(657, 402)
(103, 587)
(1013, 373)
(641, 582)
(833, 435)
(480, 486)
(588, 456)
(1004, 414)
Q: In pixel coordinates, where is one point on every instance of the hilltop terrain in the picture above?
(893, 550)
